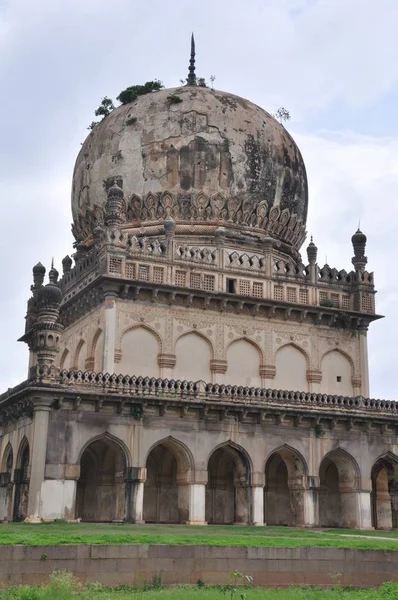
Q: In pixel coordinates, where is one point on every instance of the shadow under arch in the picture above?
(101, 487)
(169, 464)
(6, 485)
(285, 485)
(384, 496)
(339, 479)
(21, 481)
(228, 491)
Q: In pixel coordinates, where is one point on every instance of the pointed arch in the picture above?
(80, 358)
(140, 346)
(244, 358)
(339, 477)
(337, 372)
(7, 461)
(287, 451)
(285, 482)
(141, 326)
(193, 351)
(101, 487)
(228, 498)
(291, 366)
(169, 464)
(384, 478)
(21, 478)
(97, 350)
(64, 363)
(107, 437)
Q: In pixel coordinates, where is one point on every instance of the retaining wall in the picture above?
(136, 565)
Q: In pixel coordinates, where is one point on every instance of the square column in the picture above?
(258, 499)
(38, 455)
(135, 481)
(197, 499)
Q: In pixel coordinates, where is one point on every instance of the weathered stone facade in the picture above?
(156, 360)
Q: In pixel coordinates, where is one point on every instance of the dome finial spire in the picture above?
(191, 79)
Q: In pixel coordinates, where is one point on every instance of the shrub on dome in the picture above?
(132, 92)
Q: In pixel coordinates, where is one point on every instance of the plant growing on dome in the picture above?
(132, 92)
(174, 99)
(282, 114)
(105, 108)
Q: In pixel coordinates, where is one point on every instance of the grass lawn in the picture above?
(85, 533)
(65, 587)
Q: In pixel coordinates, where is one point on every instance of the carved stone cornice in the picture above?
(193, 208)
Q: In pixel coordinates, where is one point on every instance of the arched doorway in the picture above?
(284, 490)
(338, 498)
(166, 489)
(6, 485)
(385, 493)
(21, 481)
(100, 495)
(228, 497)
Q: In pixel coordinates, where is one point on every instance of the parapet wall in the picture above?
(138, 564)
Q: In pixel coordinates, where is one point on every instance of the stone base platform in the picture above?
(136, 565)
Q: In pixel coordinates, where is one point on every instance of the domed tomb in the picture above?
(196, 155)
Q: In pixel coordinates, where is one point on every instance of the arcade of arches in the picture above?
(227, 491)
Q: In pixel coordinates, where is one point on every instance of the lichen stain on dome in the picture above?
(210, 142)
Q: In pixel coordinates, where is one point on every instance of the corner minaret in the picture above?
(191, 79)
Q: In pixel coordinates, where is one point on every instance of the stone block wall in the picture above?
(138, 564)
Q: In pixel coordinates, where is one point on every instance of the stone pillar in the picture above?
(108, 365)
(197, 504)
(364, 509)
(258, 499)
(38, 455)
(311, 503)
(167, 362)
(218, 369)
(363, 358)
(267, 374)
(314, 379)
(135, 495)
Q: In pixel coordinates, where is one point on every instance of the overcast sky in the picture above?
(332, 63)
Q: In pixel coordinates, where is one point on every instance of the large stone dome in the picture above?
(193, 154)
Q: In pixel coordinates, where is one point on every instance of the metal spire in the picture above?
(191, 79)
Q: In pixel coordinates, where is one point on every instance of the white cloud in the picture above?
(355, 177)
(58, 58)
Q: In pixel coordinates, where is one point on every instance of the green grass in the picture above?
(64, 533)
(64, 586)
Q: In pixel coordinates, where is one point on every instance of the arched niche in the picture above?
(193, 356)
(6, 486)
(284, 488)
(166, 489)
(97, 350)
(338, 487)
(243, 364)
(81, 355)
(140, 348)
(21, 481)
(65, 360)
(290, 369)
(385, 492)
(227, 491)
(336, 374)
(100, 495)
